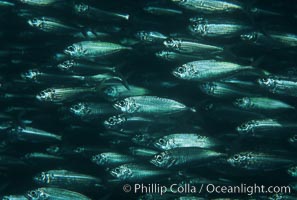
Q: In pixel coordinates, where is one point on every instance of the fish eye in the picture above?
(42, 93)
(76, 107)
(159, 158)
(117, 170)
(181, 69)
(111, 120)
(244, 126)
(34, 20)
(161, 141)
(70, 48)
(33, 193)
(122, 103)
(295, 137)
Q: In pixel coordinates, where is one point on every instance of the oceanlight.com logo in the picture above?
(249, 190)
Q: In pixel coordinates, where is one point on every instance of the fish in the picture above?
(67, 179)
(193, 47)
(40, 3)
(59, 95)
(261, 103)
(110, 159)
(30, 134)
(271, 39)
(52, 25)
(217, 28)
(211, 6)
(133, 172)
(133, 123)
(185, 156)
(222, 90)
(37, 76)
(173, 56)
(115, 92)
(150, 105)
(89, 110)
(292, 171)
(293, 140)
(260, 128)
(279, 85)
(54, 193)
(205, 70)
(14, 197)
(142, 152)
(90, 50)
(6, 4)
(179, 140)
(37, 158)
(83, 68)
(91, 12)
(162, 11)
(150, 36)
(259, 161)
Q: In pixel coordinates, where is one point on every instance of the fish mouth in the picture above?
(38, 97)
(113, 173)
(37, 179)
(106, 124)
(229, 160)
(176, 74)
(152, 161)
(30, 22)
(94, 159)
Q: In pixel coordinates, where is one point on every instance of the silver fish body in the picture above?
(54, 194)
(275, 40)
(292, 171)
(211, 6)
(14, 197)
(142, 152)
(191, 47)
(37, 76)
(87, 110)
(132, 123)
(66, 179)
(186, 156)
(259, 161)
(51, 25)
(40, 3)
(59, 95)
(73, 66)
(136, 172)
(90, 12)
(222, 90)
(162, 11)
(30, 134)
(37, 158)
(222, 28)
(173, 56)
(279, 85)
(150, 36)
(204, 70)
(150, 105)
(109, 159)
(116, 92)
(179, 140)
(261, 103)
(262, 127)
(93, 49)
